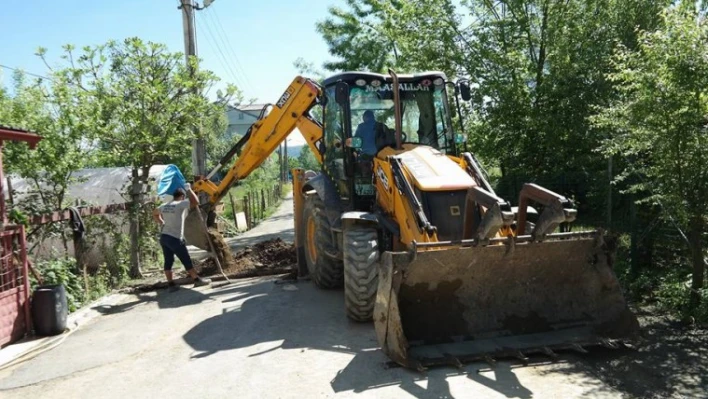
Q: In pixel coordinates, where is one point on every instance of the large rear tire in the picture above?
(361, 271)
(325, 270)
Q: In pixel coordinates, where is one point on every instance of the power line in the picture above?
(25, 72)
(228, 41)
(218, 36)
(223, 60)
(243, 80)
(225, 38)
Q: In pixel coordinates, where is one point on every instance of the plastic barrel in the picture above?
(49, 309)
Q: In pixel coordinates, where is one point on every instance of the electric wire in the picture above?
(232, 59)
(222, 59)
(25, 72)
(228, 44)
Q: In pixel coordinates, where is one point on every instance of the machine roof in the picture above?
(353, 76)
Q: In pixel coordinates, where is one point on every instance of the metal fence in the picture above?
(255, 203)
(14, 285)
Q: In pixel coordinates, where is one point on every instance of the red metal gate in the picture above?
(14, 285)
(14, 281)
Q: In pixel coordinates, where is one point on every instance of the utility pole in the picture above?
(190, 49)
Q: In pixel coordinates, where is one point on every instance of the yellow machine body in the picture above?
(463, 275)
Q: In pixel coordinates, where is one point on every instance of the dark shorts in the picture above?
(172, 246)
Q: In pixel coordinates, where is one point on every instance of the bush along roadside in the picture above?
(666, 283)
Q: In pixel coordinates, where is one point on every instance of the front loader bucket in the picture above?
(195, 232)
(455, 304)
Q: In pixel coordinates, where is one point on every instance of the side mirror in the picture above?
(465, 91)
(460, 138)
(341, 93)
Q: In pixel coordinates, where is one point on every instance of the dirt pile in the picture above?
(269, 257)
(221, 248)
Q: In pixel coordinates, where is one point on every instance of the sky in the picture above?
(251, 43)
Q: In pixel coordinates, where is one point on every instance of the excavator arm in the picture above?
(265, 135)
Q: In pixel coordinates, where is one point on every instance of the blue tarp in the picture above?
(170, 180)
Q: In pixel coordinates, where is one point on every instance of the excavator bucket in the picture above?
(195, 231)
(511, 298)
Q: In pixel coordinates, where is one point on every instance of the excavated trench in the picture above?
(269, 257)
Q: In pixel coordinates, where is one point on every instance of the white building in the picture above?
(241, 117)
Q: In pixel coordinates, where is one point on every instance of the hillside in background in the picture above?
(294, 151)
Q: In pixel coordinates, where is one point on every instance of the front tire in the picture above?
(361, 271)
(325, 270)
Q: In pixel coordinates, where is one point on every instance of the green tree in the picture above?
(309, 70)
(660, 124)
(306, 159)
(146, 105)
(54, 110)
(218, 142)
(293, 163)
(538, 67)
(408, 35)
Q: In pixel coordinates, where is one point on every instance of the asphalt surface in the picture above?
(256, 339)
(261, 338)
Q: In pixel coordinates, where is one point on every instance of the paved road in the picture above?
(257, 338)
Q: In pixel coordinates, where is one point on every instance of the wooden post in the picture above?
(79, 253)
(609, 193)
(3, 212)
(135, 195)
(9, 191)
(254, 206)
(263, 204)
(80, 260)
(247, 211)
(634, 237)
(233, 208)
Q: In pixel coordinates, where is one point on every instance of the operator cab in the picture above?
(359, 121)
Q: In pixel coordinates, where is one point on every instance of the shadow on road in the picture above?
(164, 299)
(670, 361)
(304, 318)
(504, 381)
(360, 376)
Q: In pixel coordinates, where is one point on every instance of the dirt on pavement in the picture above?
(266, 258)
(269, 257)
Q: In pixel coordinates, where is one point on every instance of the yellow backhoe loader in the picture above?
(411, 228)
